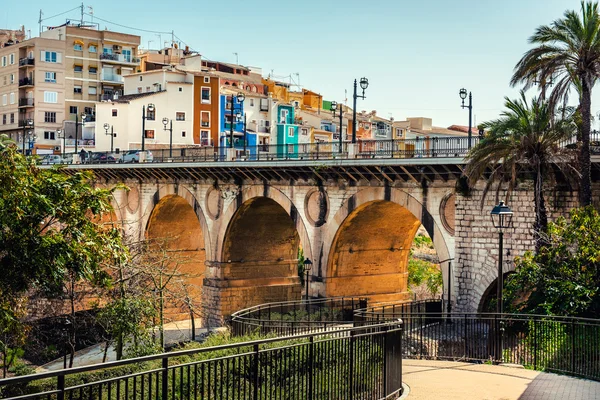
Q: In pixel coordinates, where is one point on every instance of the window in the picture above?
(93, 48)
(206, 79)
(141, 77)
(50, 77)
(5, 80)
(182, 133)
(205, 119)
(92, 90)
(304, 132)
(251, 102)
(228, 100)
(4, 119)
(126, 55)
(140, 89)
(398, 132)
(283, 116)
(89, 110)
(180, 116)
(12, 118)
(107, 50)
(50, 97)
(4, 99)
(204, 141)
(148, 89)
(4, 61)
(78, 68)
(205, 97)
(114, 112)
(12, 98)
(291, 131)
(51, 56)
(12, 78)
(93, 70)
(77, 47)
(49, 135)
(72, 109)
(49, 116)
(150, 115)
(181, 89)
(149, 134)
(77, 89)
(12, 58)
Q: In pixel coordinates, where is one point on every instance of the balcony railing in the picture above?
(26, 82)
(26, 103)
(121, 58)
(111, 77)
(23, 62)
(110, 96)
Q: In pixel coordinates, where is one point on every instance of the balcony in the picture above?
(110, 77)
(110, 96)
(119, 59)
(25, 82)
(26, 103)
(25, 62)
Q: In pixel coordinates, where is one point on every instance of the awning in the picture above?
(78, 42)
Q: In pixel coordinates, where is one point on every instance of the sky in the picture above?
(417, 55)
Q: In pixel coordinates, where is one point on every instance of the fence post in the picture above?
(351, 366)
(534, 345)
(165, 378)
(572, 346)
(465, 335)
(311, 355)
(255, 371)
(60, 386)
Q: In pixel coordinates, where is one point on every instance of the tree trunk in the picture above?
(541, 215)
(72, 333)
(193, 324)
(584, 159)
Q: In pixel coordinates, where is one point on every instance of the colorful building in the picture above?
(287, 131)
(206, 109)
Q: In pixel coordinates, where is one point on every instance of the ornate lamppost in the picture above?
(502, 219)
(463, 95)
(364, 84)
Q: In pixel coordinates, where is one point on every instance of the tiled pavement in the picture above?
(442, 380)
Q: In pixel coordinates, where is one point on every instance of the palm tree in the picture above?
(526, 139)
(567, 55)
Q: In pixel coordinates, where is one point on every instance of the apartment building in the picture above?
(32, 93)
(95, 63)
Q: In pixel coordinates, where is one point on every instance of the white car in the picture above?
(133, 156)
(51, 159)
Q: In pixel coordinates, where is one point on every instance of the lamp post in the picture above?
(463, 95)
(166, 121)
(144, 118)
(333, 108)
(61, 135)
(112, 134)
(307, 267)
(83, 117)
(364, 84)
(240, 98)
(28, 124)
(501, 218)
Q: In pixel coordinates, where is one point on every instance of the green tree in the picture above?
(527, 137)
(564, 277)
(567, 54)
(51, 228)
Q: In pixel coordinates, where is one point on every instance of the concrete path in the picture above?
(175, 332)
(444, 380)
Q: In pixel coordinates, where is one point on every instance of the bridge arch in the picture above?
(368, 243)
(257, 246)
(175, 225)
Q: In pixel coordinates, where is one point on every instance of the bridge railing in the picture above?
(294, 317)
(355, 363)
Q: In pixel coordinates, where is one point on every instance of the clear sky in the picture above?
(416, 54)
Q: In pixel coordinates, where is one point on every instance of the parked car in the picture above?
(51, 159)
(101, 158)
(133, 156)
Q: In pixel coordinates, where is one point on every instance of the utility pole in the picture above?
(40, 22)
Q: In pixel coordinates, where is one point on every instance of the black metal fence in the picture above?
(353, 363)
(294, 317)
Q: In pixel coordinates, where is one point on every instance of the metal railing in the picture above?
(353, 363)
(26, 82)
(26, 61)
(293, 317)
(26, 102)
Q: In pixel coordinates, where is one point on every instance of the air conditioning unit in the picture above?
(116, 47)
(56, 148)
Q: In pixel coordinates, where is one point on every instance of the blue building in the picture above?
(287, 131)
(238, 127)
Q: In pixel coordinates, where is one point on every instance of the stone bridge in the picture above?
(240, 226)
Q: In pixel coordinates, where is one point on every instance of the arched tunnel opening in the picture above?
(260, 256)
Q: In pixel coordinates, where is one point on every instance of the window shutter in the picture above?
(58, 57)
(42, 55)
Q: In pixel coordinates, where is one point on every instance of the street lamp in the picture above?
(83, 117)
(144, 118)
(166, 122)
(307, 267)
(501, 219)
(364, 84)
(107, 126)
(28, 124)
(240, 98)
(333, 108)
(463, 95)
(61, 135)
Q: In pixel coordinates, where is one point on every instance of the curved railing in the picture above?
(564, 345)
(295, 317)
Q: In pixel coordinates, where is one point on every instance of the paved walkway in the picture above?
(443, 380)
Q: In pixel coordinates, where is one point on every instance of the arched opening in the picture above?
(369, 254)
(260, 256)
(425, 278)
(487, 304)
(176, 242)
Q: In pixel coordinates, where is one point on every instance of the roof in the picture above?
(128, 97)
(229, 90)
(463, 128)
(155, 71)
(437, 130)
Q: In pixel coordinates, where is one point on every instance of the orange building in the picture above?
(206, 109)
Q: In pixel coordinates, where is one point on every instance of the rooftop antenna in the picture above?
(91, 13)
(40, 21)
(237, 61)
(82, 8)
(298, 76)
